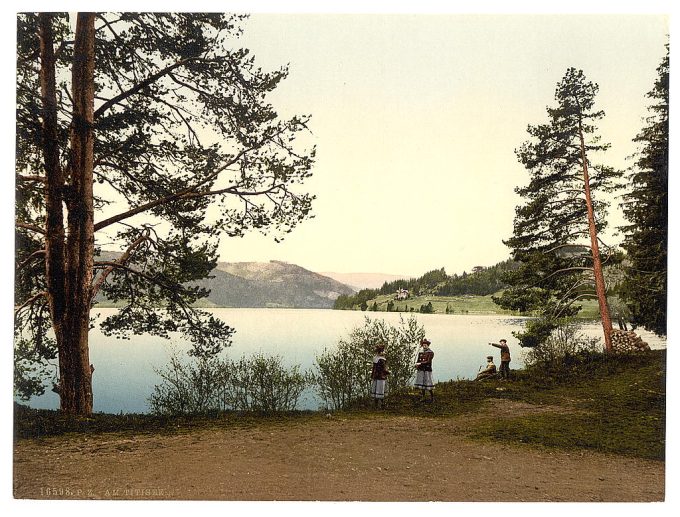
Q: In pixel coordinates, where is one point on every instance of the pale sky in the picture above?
(416, 118)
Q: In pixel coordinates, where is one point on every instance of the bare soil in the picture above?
(361, 458)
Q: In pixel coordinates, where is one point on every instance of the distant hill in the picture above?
(265, 284)
(364, 280)
(271, 284)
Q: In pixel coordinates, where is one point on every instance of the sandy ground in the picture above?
(387, 458)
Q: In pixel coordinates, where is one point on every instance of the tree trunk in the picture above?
(54, 177)
(600, 288)
(75, 371)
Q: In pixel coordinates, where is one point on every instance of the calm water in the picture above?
(125, 376)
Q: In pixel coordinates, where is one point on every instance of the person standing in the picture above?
(379, 374)
(504, 370)
(424, 370)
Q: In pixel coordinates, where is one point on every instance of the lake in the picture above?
(124, 374)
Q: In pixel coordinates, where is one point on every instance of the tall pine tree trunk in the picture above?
(72, 321)
(600, 288)
(54, 177)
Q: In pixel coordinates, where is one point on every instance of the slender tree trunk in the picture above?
(55, 255)
(75, 374)
(600, 288)
(54, 222)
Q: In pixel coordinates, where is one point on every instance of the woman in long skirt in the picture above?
(379, 374)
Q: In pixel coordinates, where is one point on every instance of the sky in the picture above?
(416, 118)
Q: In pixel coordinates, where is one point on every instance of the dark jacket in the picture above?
(505, 351)
(379, 371)
(425, 357)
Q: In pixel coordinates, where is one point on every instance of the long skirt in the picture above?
(424, 380)
(378, 389)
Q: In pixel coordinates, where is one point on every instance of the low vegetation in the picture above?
(605, 403)
(216, 384)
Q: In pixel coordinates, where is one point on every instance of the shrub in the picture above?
(342, 374)
(339, 376)
(189, 386)
(202, 385)
(564, 346)
(262, 383)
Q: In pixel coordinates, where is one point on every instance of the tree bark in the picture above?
(75, 373)
(600, 288)
(54, 178)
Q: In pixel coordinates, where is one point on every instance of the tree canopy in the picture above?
(555, 229)
(644, 287)
(184, 148)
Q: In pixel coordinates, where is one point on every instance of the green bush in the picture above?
(189, 386)
(565, 346)
(339, 376)
(262, 383)
(201, 385)
(342, 374)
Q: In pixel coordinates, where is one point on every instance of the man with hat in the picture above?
(379, 374)
(424, 370)
(489, 371)
(505, 359)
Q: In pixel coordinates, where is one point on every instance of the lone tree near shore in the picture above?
(644, 287)
(151, 134)
(556, 231)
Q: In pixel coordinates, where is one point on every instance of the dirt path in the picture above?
(374, 458)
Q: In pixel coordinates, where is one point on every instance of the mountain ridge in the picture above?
(263, 284)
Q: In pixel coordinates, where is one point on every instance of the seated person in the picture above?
(489, 371)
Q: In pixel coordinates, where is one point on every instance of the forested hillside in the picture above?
(481, 282)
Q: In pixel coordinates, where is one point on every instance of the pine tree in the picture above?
(644, 288)
(555, 232)
(150, 133)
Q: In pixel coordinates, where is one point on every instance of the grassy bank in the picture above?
(464, 304)
(610, 404)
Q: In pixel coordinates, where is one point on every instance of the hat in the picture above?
(424, 341)
(489, 358)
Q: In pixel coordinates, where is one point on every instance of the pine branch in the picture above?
(559, 271)
(32, 256)
(573, 301)
(121, 261)
(140, 86)
(29, 302)
(41, 179)
(177, 195)
(31, 227)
